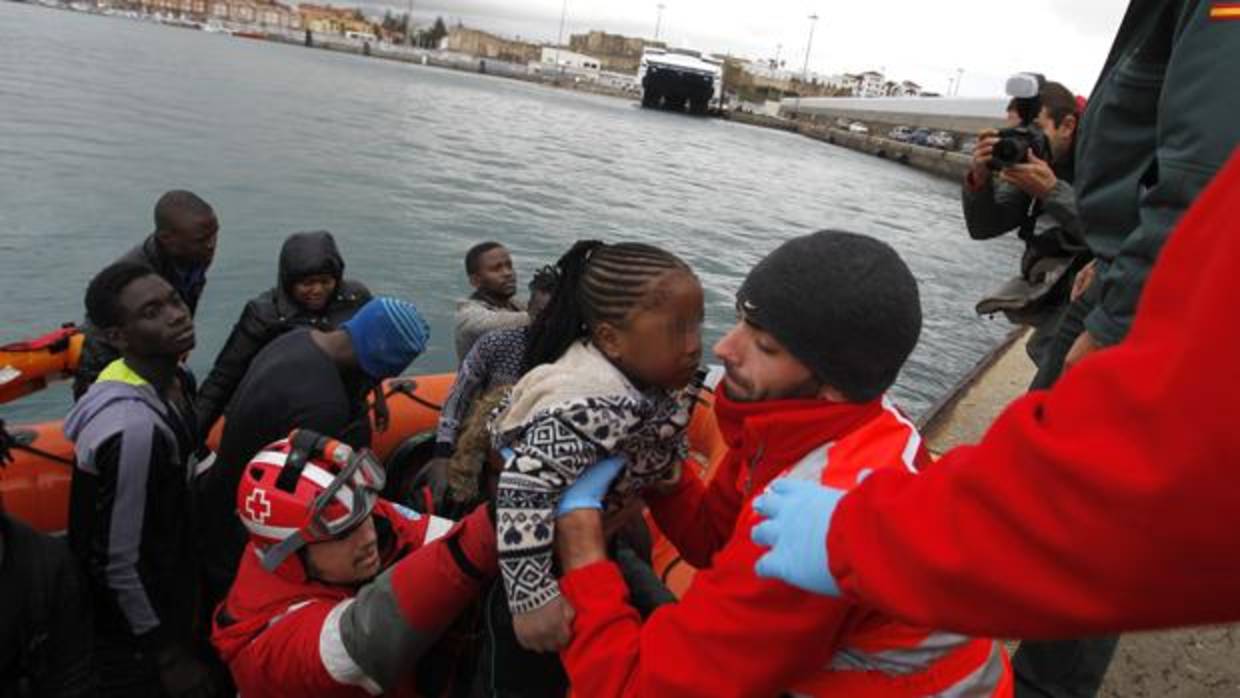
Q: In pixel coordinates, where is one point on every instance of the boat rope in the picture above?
(409, 388)
(9, 443)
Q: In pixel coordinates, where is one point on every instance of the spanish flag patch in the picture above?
(1225, 10)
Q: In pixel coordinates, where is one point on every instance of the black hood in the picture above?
(308, 253)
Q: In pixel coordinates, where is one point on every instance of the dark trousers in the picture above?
(1062, 668)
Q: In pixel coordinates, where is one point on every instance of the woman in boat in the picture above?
(311, 292)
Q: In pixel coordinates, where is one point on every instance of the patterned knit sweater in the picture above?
(559, 419)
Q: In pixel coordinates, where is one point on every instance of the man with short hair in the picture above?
(494, 360)
(305, 379)
(180, 250)
(825, 323)
(1035, 199)
(134, 439)
(493, 305)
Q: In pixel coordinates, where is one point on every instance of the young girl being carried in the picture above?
(612, 371)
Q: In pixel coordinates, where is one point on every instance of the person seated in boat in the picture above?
(180, 250)
(304, 379)
(341, 596)
(45, 621)
(825, 323)
(311, 291)
(493, 304)
(612, 371)
(494, 361)
(135, 449)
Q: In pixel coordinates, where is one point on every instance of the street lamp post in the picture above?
(959, 77)
(809, 45)
(559, 67)
(658, 20)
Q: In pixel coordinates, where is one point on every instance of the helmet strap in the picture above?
(274, 556)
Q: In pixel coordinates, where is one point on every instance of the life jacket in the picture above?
(882, 658)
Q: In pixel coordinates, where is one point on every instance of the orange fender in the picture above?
(26, 367)
(35, 487)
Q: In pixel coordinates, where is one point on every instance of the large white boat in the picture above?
(676, 78)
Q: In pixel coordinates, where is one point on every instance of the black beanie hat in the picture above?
(843, 304)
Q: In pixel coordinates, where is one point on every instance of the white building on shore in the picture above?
(563, 58)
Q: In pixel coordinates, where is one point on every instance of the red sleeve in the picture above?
(697, 518)
(1107, 504)
(287, 655)
(731, 635)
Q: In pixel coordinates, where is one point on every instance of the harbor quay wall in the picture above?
(932, 160)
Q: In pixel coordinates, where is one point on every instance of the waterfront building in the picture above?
(553, 56)
(483, 45)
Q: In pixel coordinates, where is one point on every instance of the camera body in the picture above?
(1017, 142)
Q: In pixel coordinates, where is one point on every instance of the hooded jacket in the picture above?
(127, 507)
(275, 312)
(97, 354)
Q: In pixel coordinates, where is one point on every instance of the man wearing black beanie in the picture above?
(825, 323)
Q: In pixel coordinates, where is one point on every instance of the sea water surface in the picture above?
(408, 166)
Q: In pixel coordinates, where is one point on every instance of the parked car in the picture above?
(942, 140)
(842, 123)
(920, 137)
(900, 133)
(858, 127)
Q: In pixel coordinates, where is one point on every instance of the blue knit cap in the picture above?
(388, 334)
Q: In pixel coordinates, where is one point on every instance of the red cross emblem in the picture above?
(258, 506)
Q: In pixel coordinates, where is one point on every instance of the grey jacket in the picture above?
(475, 316)
(129, 503)
(1163, 118)
(1050, 227)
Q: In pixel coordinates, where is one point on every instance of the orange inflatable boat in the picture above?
(26, 367)
(34, 486)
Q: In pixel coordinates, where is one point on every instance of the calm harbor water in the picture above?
(409, 166)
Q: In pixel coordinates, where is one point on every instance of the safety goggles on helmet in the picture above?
(325, 487)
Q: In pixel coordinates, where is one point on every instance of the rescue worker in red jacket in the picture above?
(339, 592)
(826, 321)
(1107, 504)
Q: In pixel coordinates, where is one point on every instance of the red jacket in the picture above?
(733, 634)
(282, 634)
(1110, 503)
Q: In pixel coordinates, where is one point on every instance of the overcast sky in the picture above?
(912, 39)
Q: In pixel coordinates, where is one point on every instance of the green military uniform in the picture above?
(1162, 120)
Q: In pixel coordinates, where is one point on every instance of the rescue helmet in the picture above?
(305, 489)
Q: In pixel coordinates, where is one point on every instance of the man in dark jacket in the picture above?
(1161, 122)
(45, 638)
(1035, 199)
(311, 292)
(180, 250)
(303, 379)
(134, 439)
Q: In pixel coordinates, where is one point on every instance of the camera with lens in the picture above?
(1016, 143)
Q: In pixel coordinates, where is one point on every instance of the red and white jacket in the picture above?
(284, 634)
(1110, 503)
(734, 634)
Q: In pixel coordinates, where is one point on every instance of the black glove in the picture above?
(183, 675)
(6, 445)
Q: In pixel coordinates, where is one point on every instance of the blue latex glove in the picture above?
(590, 488)
(798, 516)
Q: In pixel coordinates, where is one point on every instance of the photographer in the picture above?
(1030, 192)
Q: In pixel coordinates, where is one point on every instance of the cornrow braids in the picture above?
(598, 283)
